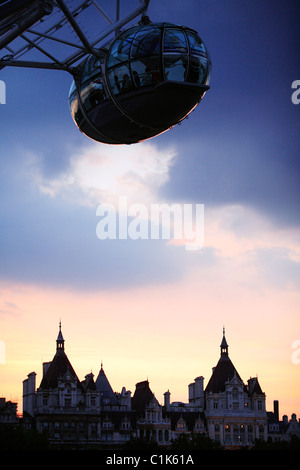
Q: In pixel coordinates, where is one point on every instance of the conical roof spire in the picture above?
(223, 371)
(60, 346)
(224, 345)
(59, 366)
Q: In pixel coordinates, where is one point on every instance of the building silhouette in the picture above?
(82, 414)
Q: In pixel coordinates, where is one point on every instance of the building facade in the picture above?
(89, 414)
(8, 412)
(235, 412)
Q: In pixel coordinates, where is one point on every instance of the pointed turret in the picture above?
(224, 345)
(59, 366)
(223, 371)
(60, 342)
(103, 385)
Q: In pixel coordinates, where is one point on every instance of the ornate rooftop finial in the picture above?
(60, 340)
(224, 345)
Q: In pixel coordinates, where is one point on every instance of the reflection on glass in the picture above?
(197, 72)
(121, 49)
(120, 79)
(196, 45)
(146, 72)
(74, 107)
(174, 41)
(146, 42)
(91, 90)
(92, 94)
(91, 68)
(175, 67)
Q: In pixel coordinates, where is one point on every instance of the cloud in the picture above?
(249, 245)
(100, 174)
(9, 308)
(49, 226)
(278, 266)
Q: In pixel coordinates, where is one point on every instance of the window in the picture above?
(120, 79)
(261, 431)
(121, 49)
(175, 41)
(146, 72)
(259, 405)
(175, 67)
(181, 424)
(197, 72)
(236, 436)
(146, 42)
(250, 434)
(92, 90)
(67, 401)
(107, 424)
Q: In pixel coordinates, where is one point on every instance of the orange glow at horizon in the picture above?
(169, 334)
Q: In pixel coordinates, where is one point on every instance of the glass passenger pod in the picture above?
(145, 69)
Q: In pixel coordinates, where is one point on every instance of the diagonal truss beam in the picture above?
(84, 48)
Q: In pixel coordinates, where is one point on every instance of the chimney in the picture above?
(167, 399)
(276, 409)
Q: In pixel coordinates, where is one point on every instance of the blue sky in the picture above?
(238, 154)
(239, 146)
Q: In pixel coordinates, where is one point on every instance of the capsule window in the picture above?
(196, 45)
(91, 68)
(175, 66)
(75, 109)
(198, 70)
(91, 90)
(120, 79)
(175, 41)
(121, 49)
(92, 94)
(146, 72)
(146, 43)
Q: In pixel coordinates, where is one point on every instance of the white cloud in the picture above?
(100, 174)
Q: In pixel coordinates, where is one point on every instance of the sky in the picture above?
(150, 308)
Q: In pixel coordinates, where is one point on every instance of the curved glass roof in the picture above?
(156, 52)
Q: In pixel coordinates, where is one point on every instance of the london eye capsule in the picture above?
(149, 80)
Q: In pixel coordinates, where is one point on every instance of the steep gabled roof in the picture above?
(142, 396)
(253, 387)
(88, 383)
(223, 371)
(103, 385)
(58, 368)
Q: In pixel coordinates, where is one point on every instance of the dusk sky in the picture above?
(150, 308)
